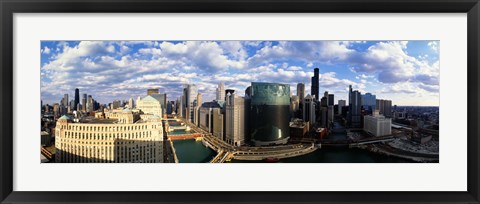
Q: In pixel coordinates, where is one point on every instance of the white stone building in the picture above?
(377, 125)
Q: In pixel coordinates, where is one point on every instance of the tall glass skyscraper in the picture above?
(354, 108)
(315, 83)
(369, 102)
(269, 113)
(77, 99)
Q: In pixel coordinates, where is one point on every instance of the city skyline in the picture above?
(405, 72)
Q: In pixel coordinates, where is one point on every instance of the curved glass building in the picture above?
(269, 113)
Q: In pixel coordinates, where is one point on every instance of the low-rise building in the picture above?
(45, 138)
(299, 128)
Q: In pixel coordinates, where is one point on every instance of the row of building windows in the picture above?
(102, 128)
(106, 136)
(105, 143)
(93, 154)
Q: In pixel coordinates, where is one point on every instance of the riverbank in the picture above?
(390, 151)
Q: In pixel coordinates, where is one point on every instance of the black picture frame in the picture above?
(9, 7)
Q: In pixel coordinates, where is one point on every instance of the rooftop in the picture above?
(98, 121)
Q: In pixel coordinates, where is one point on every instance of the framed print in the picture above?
(252, 102)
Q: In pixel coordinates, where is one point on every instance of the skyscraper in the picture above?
(294, 105)
(196, 112)
(90, 102)
(315, 83)
(341, 104)
(77, 99)
(248, 91)
(354, 108)
(235, 120)
(269, 113)
(162, 98)
(130, 103)
(229, 91)
(331, 100)
(152, 91)
(369, 102)
(301, 91)
(84, 103)
(384, 107)
(65, 100)
(220, 96)
(115, 104)
(309, 109)
(191, 98)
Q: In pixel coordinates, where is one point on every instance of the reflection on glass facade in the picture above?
(269, 113)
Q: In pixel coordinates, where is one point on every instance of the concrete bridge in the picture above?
(352, 143)
(184, 136)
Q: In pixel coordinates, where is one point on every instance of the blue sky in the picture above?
(406, 72)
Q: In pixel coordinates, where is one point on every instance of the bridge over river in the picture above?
(353, 143)
(226, 152)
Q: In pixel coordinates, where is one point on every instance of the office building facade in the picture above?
(77, 99)
(269, 113)
(109, 142)
(220, 92)
(315, 83)
(309, 109)
(150, 105)
(235, 128)
(377, 125)
(341, 104)
(301, 91)
(369, 102)
(354, 108)
(384, 107)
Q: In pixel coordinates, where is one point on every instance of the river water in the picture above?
(191, 151)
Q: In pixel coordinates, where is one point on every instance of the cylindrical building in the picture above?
(269, 113)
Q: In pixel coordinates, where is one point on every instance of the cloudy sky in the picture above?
(407, 72)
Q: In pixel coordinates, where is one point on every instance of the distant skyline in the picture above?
(406, 72)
